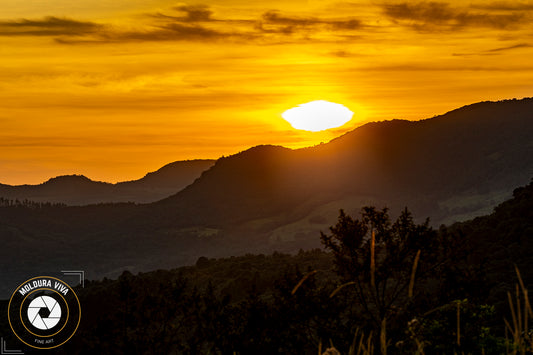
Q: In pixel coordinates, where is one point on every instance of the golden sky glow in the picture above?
(114, 89)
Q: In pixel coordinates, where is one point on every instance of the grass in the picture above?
(518, 335)
(521, 336)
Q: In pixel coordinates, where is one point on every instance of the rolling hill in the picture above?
(450, 168)
(77, 190)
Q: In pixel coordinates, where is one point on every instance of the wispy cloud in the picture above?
(290, 24)
(48, 26)
(439, 16)
(195, 13)
(446, 68)
(516, 46)
(185, 23)
(503, 6)
(174, 32)
(495, 51)
(341, 54)
(190, 23)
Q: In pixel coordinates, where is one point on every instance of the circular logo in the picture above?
(44, 312)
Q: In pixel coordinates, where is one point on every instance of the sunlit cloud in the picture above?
(508, 48)
(276, 17)
(438, 16)
(503, 6)
(195, 13)
(212, 78)
(48, 26)
(182, 23)
(497, 51)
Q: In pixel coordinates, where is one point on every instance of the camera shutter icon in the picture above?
(44, 312)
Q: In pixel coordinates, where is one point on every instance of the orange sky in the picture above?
(114, 89)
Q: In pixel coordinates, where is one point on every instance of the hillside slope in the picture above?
(450, 168)
(77, 190)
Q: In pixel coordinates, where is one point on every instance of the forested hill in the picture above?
(449, 168)
(77, 190)
(287, 301)
(502, 240)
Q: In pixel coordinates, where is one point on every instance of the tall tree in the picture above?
(380, 262)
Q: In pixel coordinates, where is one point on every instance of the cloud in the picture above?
(188, 27)
(49, 26)
(195, 13)
(443, 68)
(197, 24)
(495, 51)
(190, 23)
(192, 13)
(342, 54)
(516, 46)
(167, 32)
(503, 6)
(290, 24)
(177, 32)
(438, 16)
(275, 17)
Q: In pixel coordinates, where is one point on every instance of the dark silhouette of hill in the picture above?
(79, 190)
(500, 241)
(450, 168)
(240, 298)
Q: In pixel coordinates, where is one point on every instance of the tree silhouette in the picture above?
(380, 261)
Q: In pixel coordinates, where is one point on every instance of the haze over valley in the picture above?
(449, 168)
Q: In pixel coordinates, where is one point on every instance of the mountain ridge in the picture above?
(78, 190)
(384, 158)
(271, 198)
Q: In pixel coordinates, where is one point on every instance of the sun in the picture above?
(317, 116)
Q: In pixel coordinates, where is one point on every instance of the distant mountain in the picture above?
(77, 190)
(450, 168)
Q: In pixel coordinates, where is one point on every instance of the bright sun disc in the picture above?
(317, 116)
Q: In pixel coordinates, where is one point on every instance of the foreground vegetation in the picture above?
(381, 286)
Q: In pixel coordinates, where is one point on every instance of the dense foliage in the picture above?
(406, 287)
(266, 199)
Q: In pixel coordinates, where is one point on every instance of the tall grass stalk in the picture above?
(458, 324)
(360, 346)
(373, 260)
(522, 341)
(413, 273)
(341, 287)
(308, 275)
(383, 337)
